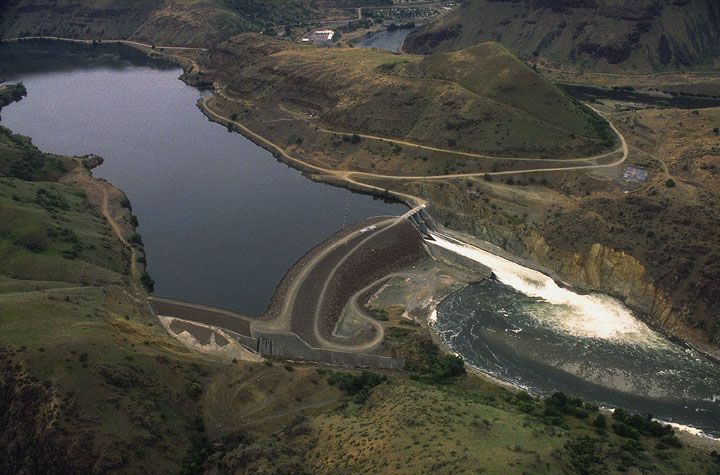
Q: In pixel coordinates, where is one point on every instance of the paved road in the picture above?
(88, 42)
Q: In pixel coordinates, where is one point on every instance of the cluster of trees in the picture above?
(358, 385)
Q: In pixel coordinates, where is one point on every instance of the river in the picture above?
(221, 219)
(525, 329)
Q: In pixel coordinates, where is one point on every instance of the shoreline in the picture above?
(347, 184)
(689, 435)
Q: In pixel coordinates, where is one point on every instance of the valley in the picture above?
(610, 196)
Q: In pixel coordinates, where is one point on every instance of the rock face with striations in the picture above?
(602, 35)
(597, 268)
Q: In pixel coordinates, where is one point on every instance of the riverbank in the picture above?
(213, 126)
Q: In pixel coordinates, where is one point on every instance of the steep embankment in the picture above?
(88, 381)
(600, 35)
(481, 100)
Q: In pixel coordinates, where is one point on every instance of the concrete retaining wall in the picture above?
(216, 317)
(285, 344)
(448, 256)
(289, 345)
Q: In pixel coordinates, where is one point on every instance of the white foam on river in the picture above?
(584, 316)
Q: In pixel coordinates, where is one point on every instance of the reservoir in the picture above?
(221, 219)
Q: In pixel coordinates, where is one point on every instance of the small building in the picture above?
(318, 37)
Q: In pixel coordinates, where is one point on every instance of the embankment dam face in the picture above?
(314, 294)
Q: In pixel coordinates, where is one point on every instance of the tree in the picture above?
(194, 389)
(147, 282)
(600, 422)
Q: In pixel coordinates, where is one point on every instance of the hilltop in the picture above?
(599, 35)
(481, 100)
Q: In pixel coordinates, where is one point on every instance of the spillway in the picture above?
(526, 329)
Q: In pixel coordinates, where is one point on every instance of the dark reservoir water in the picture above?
(389, 40)
(221, 219)
(525, 329)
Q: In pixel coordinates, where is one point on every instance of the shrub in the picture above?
(125, 203)
(449, 366)
(358, 385)
(581, 413)
(194, 389)
(624, 430)
(136, 238)
(670, 183)
(50, 200)
(671, 440)
(600, 422)
(557, 399)
(147, 281)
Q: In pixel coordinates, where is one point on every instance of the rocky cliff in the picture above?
(599, 35)
(596, 268)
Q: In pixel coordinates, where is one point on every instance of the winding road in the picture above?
(351, 176)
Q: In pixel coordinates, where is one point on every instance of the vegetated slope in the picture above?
(481, 100)
(300, 419)
(174, 22)
(10, 93)
(602, 35)
(75, 19)
(88, 381)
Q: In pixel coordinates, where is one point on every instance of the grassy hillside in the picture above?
(459, 425)
(175, 22)
(88, 381)
(481, 100)
(602, 35)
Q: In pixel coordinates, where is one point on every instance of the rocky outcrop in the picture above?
(597, 268)
(601, 35)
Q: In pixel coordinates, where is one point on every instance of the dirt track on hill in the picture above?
(105, 198)
(351, 176)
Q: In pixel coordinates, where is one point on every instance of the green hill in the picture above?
(88, 381)
(598, 35)
(480, 100)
